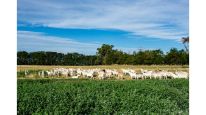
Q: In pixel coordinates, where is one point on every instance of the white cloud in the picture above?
(148, 18)
(36, 41)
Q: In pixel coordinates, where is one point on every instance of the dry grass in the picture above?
(135, 67)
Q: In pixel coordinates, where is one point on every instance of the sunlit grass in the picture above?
(135, 67)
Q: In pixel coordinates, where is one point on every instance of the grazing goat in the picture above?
(108, 73)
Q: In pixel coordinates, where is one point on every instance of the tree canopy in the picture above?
(105, 55)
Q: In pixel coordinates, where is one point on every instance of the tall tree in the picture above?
(185, 41)
(104, 54)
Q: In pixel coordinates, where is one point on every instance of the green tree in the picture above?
(105, 54)
(158, 57)
(38, 58)
(51, 58)
(184, 57)
(22, 58)
(175, 56)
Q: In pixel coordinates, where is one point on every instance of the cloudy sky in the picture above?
(83, 25)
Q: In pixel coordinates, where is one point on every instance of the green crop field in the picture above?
(66, 96)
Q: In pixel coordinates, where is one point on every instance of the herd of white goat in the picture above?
(112, 73)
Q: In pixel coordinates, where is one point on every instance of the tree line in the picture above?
(105, 55)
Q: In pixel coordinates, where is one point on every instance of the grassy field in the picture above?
(52, 96)
(136, 67)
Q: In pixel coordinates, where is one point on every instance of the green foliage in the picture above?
(149, 57)
(22, 58)
(105, 55)
(102, 97)
(53, 58)
(177, 57)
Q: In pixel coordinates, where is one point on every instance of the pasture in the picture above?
(136, 67)
(66, 96)
(63, 95)
(104, 72)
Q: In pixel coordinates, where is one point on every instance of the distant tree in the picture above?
(60, 59)
(148, 57)
(158, 57)
(22, 58)
(175, 56)
(51, 58)
(118, 57)
(38, 58)
(104, 54)
(138, 58)
(172, 57)
(185, 41)
(184, 57)
(129, 59)
(71, 59)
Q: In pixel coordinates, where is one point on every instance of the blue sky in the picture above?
(83, 25)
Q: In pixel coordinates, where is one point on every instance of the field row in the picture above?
(135, 67)
(103, 97)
